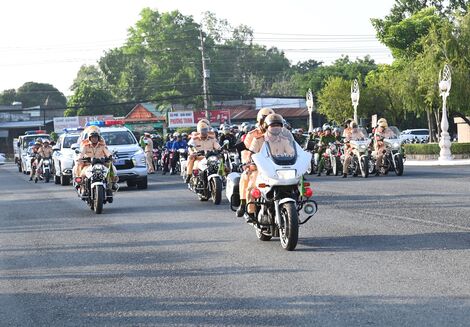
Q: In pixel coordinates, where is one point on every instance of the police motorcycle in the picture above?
(43, 171)
(393, 157)
(312, 147)
(281, 197)
(332, 157)
(94, 189)
(206, 180)
(359, 147)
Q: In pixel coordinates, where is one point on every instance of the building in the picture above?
(145, 117)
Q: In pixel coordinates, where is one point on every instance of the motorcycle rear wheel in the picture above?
(289, 231)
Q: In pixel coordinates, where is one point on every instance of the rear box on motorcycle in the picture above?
(231, 190)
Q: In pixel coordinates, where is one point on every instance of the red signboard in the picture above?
(216, 116)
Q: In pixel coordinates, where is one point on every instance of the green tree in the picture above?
(8, 96)
(34, 94)
(335, 100)
(90, 100)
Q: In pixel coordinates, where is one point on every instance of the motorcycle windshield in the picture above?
(359, 134)
(281, 147)
(392, 132)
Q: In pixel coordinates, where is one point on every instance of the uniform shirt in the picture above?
(45, 151)
(198, 144)
(94, 151)
(148, 144)
(252, 135)
(325, 140)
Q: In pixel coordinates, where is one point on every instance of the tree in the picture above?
(335, 99)
(90, 74)
(8, 96)
(90, 100)
(34, 94)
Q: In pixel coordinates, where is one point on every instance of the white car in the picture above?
(130, 160)
(419, 135)
(2, 158)
(63, 157)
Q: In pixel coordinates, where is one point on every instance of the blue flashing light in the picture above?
(71, 130)
(99, 123)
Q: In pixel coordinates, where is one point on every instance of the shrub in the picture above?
(433, 148)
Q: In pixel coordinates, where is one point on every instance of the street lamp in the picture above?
(309, 103)
(444, 87)
(355, 98)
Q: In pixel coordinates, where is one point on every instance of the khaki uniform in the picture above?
(197, 144)
(149, 154)
(246, 175)
(44, 152)
(92, 151)
(347, 134)
(379, 145)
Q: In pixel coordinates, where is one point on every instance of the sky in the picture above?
(47, 41)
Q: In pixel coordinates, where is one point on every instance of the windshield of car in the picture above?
(118, 138)
(32, 138)
(69, 140)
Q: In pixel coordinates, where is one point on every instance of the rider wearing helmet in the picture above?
(228, 135)
(201, 141)
(177, 144)
(252, 136)
(44, 151)
(34, 153)
(324, 142)
(95, 147)
(379, 145)
(348, 134)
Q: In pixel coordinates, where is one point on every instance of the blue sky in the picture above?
(47, 41)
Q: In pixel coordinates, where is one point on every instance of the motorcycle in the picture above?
(43, 171)
(281, 197)
(332, 156)
(93, 189)
(157, 159)
(312, 147)
(393, 157)
(206, 180)
(359, 149)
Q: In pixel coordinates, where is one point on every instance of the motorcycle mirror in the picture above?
(75, 146)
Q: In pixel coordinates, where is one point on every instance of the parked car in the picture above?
(2, 158)
(415, 135)
(63, 157)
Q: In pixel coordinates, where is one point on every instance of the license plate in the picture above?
(120, 162)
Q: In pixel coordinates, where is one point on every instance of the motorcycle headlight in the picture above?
(213, 158)
(396, 145)
(362, 147)
(286, 173)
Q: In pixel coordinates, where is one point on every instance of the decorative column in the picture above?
(309, 103)
(444, 87)
(355, 98)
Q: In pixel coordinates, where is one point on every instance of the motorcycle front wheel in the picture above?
(364, 167)
(289, 229)
(47, 176)
(98, 199)
(216, 190)
(398, 165)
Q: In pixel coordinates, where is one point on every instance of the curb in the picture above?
(457, 162)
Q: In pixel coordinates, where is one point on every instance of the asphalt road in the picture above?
(382, 251)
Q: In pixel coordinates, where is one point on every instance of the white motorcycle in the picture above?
(93, 189)
(281, 198)
(393, 158)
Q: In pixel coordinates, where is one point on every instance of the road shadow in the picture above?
(398, 243)
(313, 310)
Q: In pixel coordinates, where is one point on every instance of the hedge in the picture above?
(433, 148)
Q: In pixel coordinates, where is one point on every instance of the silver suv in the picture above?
(129, 160)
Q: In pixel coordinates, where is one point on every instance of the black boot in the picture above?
(188, 178)
(249, 218)
(242, 209)
(345, 175)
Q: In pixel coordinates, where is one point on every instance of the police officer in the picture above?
(203, 140)
(379, 145)
(255, 134)
(148, 149)
(325, 140)
(95, 147)
(45, 151)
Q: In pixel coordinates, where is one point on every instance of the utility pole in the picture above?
(205, 78)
